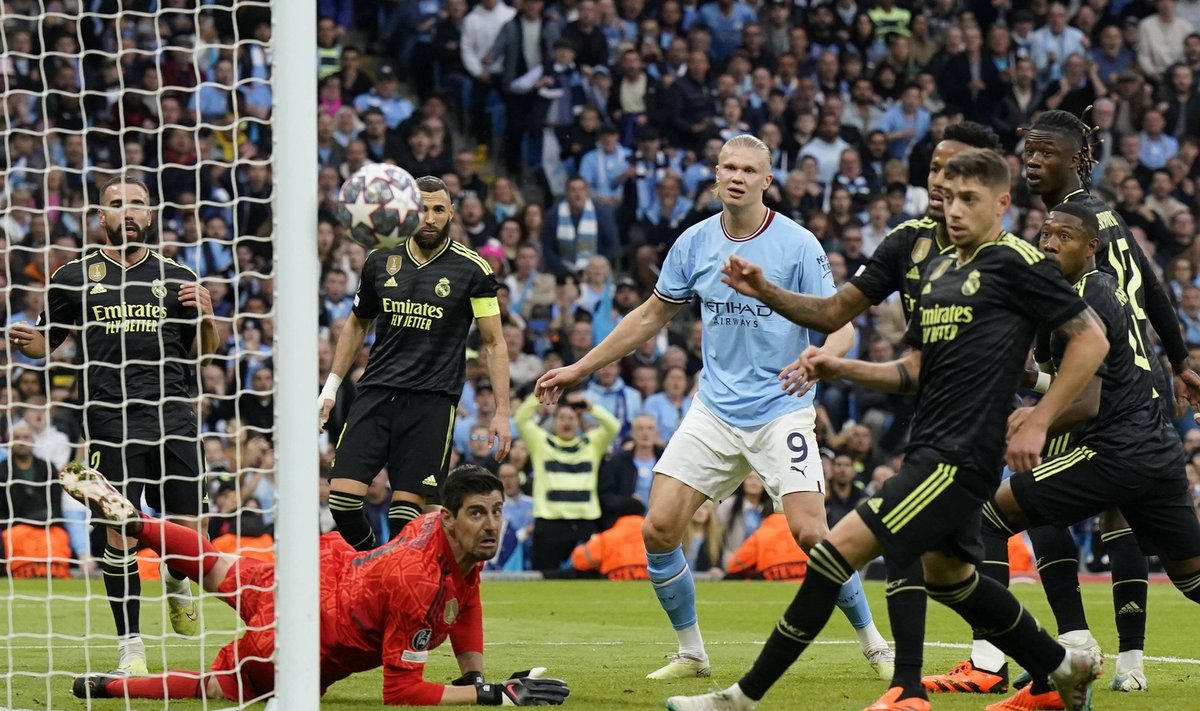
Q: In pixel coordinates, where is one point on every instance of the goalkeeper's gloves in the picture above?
(472, 678)
(523, 691)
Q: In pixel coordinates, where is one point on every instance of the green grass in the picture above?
(602, 637)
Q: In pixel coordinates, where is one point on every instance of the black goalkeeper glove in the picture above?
(473, 678)
(523, 691)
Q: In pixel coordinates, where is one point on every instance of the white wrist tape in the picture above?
(1043, 382)
(333, 382)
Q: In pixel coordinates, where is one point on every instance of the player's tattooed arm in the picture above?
(825, 314)
(897, 376)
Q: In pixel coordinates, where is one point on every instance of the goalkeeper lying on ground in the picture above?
(388, 606)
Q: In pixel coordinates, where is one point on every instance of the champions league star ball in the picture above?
(381, 205)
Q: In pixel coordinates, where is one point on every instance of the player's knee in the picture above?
(659, 535)
(809, 534)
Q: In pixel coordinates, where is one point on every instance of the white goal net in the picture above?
(177, 94)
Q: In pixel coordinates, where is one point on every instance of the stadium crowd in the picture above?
(578, 140)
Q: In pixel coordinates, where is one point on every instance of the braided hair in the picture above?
(1068, 124)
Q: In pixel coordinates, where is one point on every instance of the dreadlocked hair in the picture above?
(972, 134)
(1068, 124)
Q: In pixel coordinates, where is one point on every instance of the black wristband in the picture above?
(488, 694)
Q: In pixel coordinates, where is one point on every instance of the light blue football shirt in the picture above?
(746, 344)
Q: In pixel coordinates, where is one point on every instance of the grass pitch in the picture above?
(602, 637)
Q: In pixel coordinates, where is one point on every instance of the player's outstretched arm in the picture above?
(1086, 348)
(495, 358)
(795, 376)
(896, 376)
(825, 314)
(350, 342)
(635, 329)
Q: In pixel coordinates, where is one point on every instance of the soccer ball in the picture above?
(381, 205)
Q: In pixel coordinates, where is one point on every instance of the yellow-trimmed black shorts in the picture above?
(408, 431)
(926, 507)
(1081, 483)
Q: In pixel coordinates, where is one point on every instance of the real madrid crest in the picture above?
(443, 287)
(157, 288)
(971, 285)
(394, 262)
(451, 613)
(939, 270)
(921, 249)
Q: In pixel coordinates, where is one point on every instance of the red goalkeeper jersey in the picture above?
(391, 605)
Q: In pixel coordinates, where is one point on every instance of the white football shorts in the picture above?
(714, 457)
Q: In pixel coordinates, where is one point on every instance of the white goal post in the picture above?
(297, 674)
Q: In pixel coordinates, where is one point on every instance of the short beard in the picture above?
(116, 238)
(429, 244)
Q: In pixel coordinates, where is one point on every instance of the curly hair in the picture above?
(1070, 126)
(972, 134)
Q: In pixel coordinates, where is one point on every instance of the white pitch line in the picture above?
(613, 643)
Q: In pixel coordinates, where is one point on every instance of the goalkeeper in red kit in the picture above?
(385, 607)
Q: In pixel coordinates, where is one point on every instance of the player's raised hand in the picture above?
(553, 383)
(523, 691)
(795, 378)
(193, 295)
(1026, 438)
(500, 432)
(745, 277)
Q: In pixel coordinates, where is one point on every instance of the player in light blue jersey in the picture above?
(743, 418)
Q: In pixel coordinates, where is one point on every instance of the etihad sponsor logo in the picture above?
(736, 313)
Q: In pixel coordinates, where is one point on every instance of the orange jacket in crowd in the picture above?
(770, 553)
(37, 551)
(618, 553)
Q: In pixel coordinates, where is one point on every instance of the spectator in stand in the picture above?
(770, 553)
(741, 514)
(826, 147)
(1050, 45)
(35, 542)
(1161, 38)
(1112, 56)
(1156, 145)
(1189, 314)
(1182, 102)
(386, 97)
(630, 472)
(905, 123)
(608, 390)
(520, 58)
(846, 490)
(479, 449)
(513, 553)
(528, 286)
(1161, 199)
(566, 464)
(336, 302)
(690, 97)
(577, 229)
(603, 167)
(618, 552)
(669, 406)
